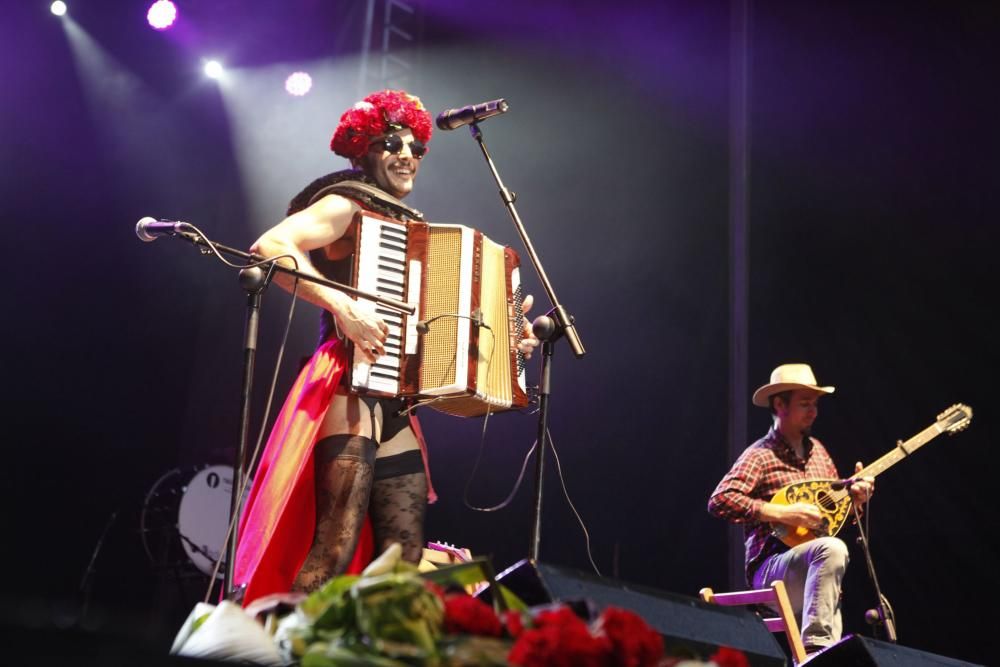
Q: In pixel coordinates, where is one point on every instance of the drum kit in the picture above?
(184, 519)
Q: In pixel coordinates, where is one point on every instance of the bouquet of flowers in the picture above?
(394, 616)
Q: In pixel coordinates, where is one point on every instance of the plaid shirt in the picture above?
(761, 471)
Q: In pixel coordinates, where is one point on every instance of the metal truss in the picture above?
(396, 26)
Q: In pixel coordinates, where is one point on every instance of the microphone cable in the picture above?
(579, 519)
(423, 326)
(423, 329)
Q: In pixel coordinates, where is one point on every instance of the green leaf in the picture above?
(333, 655)
(198, 622)
(474, 650)
(331, 606)
(473, 572)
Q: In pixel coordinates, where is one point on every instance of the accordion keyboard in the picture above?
(382, 270)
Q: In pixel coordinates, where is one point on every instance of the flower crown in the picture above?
(375, 116)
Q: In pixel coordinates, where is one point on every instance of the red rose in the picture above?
(729, 657)
(634, 643)
(559, 639)
(514, 623)
(434, 588)
(466, 614)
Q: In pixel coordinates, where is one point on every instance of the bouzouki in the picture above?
(832, 497)
(442, 553)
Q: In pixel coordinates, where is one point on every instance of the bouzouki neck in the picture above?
(901, 451)
(831, 497)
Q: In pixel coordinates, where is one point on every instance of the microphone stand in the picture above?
(87, 582)
(254, 281)
(883, 614)
(549, 328)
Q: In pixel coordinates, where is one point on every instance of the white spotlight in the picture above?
(213, 69)
(161, 14)
(58, 8)
(298, 84)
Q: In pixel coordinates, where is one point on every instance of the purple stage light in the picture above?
(298, 83)
(58, 8)
(161, 14)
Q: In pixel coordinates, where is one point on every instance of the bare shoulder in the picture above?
(318, 225)
(332, 207)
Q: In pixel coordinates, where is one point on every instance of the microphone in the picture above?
(148, 229)
(452, 118)
(424, 326)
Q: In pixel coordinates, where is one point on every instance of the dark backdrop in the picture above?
(872, 202)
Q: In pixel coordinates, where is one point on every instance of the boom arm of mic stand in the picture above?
(564, 321)
(198, 240)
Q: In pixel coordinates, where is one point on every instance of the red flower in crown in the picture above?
(375, 116)
(634, 643)
(466, 614)
(559, 639)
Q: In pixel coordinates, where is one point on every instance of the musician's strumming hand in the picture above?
(365, 329)
(801, 514)
(530, 341)
(863, 487)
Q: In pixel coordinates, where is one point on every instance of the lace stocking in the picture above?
(397, 513)
(344, 472)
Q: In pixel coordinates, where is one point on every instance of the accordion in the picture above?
(458, 352)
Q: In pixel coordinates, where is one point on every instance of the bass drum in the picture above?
(185, 517)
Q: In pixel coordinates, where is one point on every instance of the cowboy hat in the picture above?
(786, 377)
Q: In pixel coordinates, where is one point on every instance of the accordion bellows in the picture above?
(468, 296)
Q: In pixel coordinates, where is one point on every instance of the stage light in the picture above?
(58, 8)
(161, 14)
(298, 84)
(213, 69)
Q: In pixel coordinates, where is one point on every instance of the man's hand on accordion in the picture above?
(530, 341)
(366, 330)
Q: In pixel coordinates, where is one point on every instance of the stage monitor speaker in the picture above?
(684, 622)
(857, 651)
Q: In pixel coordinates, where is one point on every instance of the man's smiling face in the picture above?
(394, 172)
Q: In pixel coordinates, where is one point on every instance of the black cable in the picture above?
(88, 574)
(579, 519)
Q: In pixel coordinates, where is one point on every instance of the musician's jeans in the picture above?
(812, 573)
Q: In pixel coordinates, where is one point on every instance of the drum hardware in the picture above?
(184, 519)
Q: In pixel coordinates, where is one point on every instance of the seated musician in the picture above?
(813, 570)
(353, 455)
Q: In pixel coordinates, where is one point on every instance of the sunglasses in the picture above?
(394, 144)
